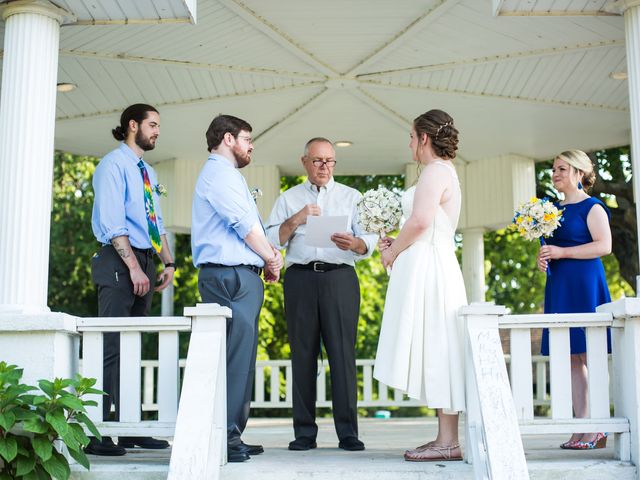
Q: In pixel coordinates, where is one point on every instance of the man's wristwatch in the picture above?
(170, 264)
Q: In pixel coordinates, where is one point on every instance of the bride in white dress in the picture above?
(421, 345)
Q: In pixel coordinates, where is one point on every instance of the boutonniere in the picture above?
(161, 190)
(255, 193)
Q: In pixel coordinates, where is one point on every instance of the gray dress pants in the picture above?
(242, 290)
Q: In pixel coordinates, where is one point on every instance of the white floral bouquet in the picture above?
(538, 218)
(379, 211)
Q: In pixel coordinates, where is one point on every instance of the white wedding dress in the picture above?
(421, 345)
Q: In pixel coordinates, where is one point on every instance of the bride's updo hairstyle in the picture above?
(580, 161)
(438, 125)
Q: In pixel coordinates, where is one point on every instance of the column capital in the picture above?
(38, 7)
(621, 6)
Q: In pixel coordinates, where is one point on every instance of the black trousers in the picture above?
(323, 305)
(242, 290)
(116, 299)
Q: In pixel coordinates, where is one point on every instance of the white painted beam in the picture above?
(536, 53)
(124, 57)
(279, 36)
(417, 25)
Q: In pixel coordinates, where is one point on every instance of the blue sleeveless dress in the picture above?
(575, 286)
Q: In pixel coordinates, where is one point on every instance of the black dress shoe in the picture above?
(237, 454)
(142, 442)
(251, 449)
(352, 444)
(105, 448)
(302, 443)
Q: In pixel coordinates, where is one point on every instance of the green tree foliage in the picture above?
(72, 242)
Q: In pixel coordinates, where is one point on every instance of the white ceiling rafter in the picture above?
(130, 21)
(428, 17)
(122, 57)
(512, 98)
(381, 107)
(273, 32)
(560, 13)
(193, 101)
(291, 115)
(543, 52)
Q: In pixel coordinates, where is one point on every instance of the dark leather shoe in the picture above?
(302, 443)
(352, 444)
(105, 448)
(237, 454)
(250, 449)
(142, 442)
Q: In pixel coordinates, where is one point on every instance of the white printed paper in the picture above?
(319, 230)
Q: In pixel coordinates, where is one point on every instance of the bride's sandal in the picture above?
(434, 453)
(421, 447)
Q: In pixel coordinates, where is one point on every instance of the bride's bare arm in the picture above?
(429, 191)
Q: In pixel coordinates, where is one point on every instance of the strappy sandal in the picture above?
(421, 447)
(443, 453)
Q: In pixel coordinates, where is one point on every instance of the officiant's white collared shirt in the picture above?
(333, 199)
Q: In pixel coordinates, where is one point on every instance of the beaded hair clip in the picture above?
(447, 124)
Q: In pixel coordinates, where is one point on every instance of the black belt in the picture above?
(253, 268)
(320, 267)
(145, 251)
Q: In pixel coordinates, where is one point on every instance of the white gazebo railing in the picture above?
(499, 410)
(500, 404)
(198, 422)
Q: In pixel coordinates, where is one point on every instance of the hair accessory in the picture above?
(447, 124)
(579, 185)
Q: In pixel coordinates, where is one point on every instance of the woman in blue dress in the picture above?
(577, 282)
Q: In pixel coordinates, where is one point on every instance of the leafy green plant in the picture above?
(30, 423)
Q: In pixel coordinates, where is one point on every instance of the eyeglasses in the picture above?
(326, 163)
(247, 139)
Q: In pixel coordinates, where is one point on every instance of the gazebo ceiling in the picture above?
(532, 80)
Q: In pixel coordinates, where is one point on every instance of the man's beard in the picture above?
(242, 158)
(143, 142)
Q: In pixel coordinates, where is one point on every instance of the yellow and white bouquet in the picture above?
(379, 211)
(538, 218)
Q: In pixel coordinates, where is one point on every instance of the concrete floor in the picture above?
(385, 440)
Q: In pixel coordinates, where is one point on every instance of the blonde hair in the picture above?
(580, 161)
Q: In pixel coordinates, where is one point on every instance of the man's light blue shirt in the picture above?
(118, 205)
(222, 215)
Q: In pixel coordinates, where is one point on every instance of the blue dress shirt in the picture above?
(222, 216)
(118, 205)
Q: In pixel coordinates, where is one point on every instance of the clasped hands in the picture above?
(273, 266)
(546, 254)
(387, 254)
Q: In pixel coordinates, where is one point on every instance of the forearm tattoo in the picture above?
(121, 248)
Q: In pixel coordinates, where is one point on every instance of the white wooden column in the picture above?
(473, 263)
(27, 119)
(631, 9)
(168, 293)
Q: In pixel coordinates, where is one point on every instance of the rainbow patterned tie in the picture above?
(152, 223)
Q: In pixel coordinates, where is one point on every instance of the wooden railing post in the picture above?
(625, 336)
(199, 445)
(493, 435)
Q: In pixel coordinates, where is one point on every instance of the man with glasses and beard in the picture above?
(127, 221)
(230, 248)
(321, 294)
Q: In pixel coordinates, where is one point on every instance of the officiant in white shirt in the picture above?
(321, 294)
